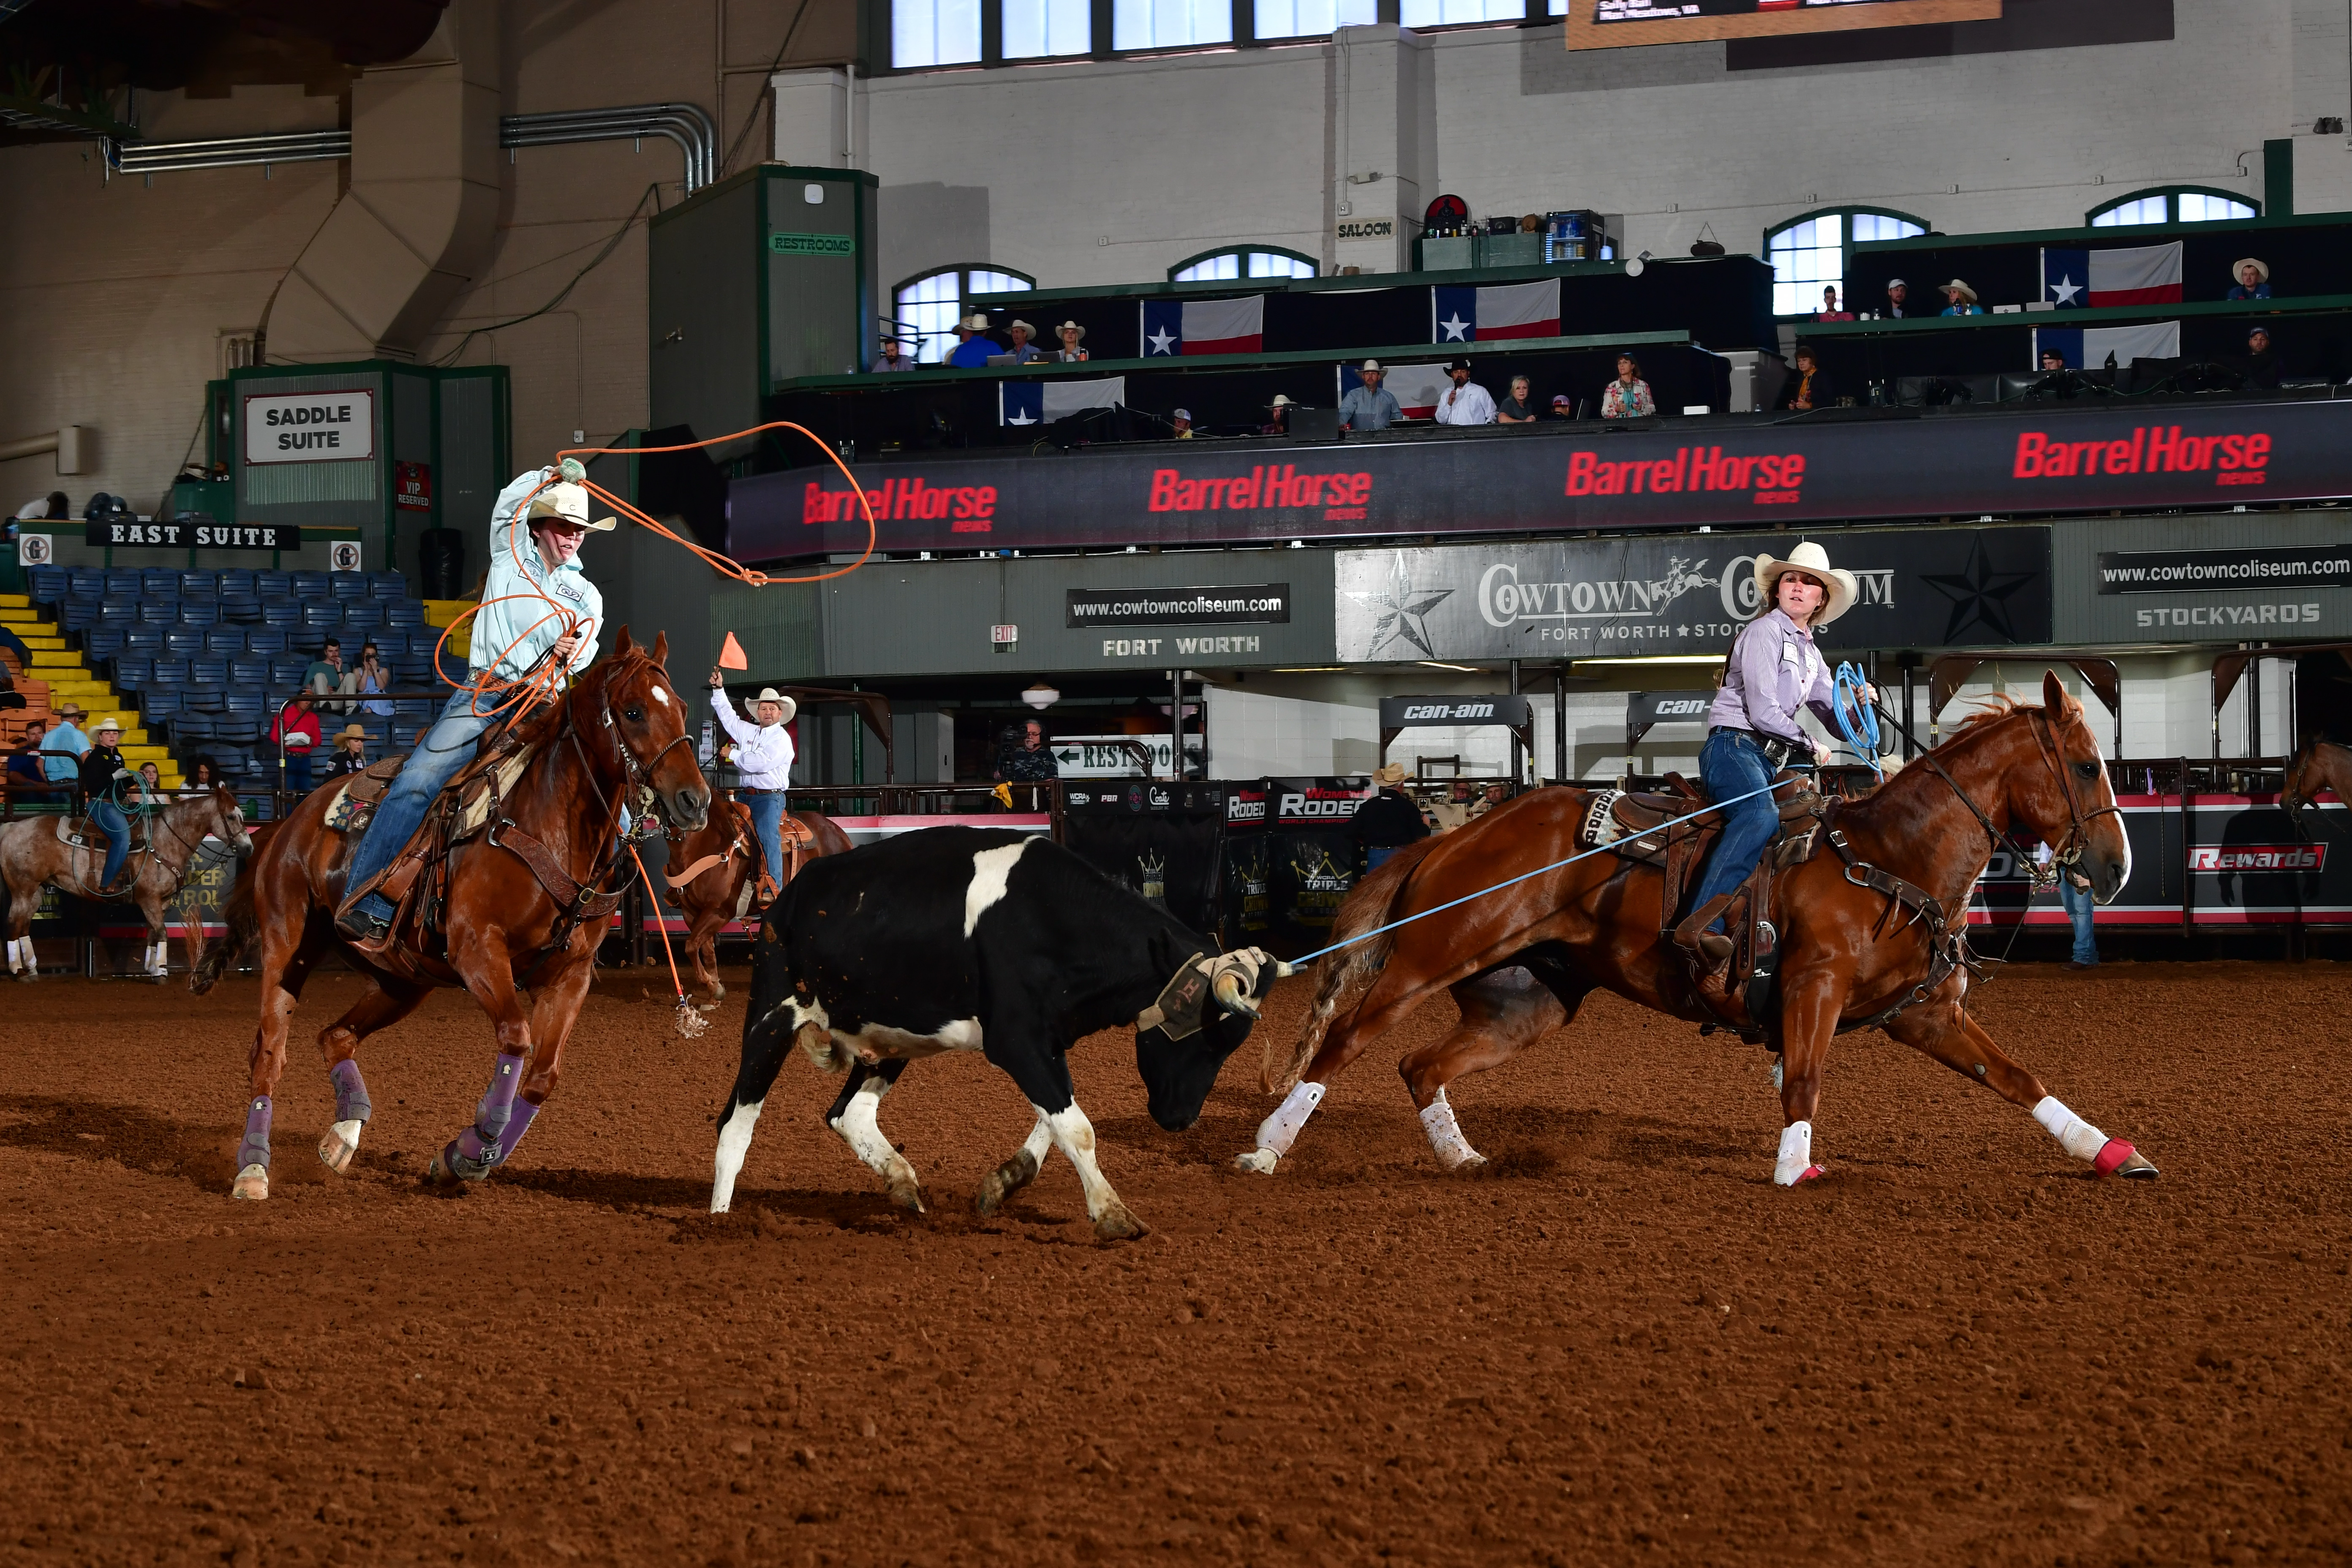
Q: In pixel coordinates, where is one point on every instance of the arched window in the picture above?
(2172, 203)
(1810, 253)
(1239, 262)
(927, 306)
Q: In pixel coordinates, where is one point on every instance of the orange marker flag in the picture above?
(731, 655)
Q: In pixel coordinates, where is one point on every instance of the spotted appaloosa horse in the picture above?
(718, 863)
(1520, 960)
(2317, 764)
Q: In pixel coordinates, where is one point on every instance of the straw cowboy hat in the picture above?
(1966, 292)
(567, 502)
(351, 732)
(2262, 268)
(1070, 327)
(1391, 773)
(71, 711)
(770, 694)
(975, 322)
(1813, 562)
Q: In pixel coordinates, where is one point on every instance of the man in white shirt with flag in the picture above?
(1466, 404)
(763, 755)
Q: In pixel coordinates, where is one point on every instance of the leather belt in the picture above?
(1775, 750)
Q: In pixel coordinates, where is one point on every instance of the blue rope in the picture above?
(1585, 855)
(1861, 733)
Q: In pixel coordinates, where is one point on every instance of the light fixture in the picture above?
(1464, 668)
(1041, 697)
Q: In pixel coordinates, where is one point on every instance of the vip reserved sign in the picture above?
(309, 426)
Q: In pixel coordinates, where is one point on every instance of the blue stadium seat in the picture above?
(280, 613)
(274, 585)
(200, 584)
(156, 612)
(120, 613)
(51, 583)
(89, 582)
(180, 643)
(326, 613)
(123, 583)
(251, 670)
(78, 614)
(414, 710)
(243, 608)
(387, 585)
(416, 669)
(237, 725)
(169, 671)
(208, 669)
(158, 703)
(347, 585)
(250, 700)
(404, 612)
(225, 641)
(204, 698)
(159, 582)
(310, 584)
(144, 639)
(237, 579)
(133, 670)
(266, 639)
(285, 669)
(190, 726)
(389, 640)
(101, 642)
(364, 615)
(200, 612)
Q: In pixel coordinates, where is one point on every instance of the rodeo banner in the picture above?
(1919, 588)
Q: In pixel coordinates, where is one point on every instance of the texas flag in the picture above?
(1204, 326)
(1043, 401)
(1416, 387)
(1503, 310)
(2145, 275)
(2087, 348)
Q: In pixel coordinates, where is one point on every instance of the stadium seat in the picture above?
(364, 615)
(244, 608)
(144, 639)
(158, 703)
(122, 584)
(404, 613)
(169, 671)
(389, 640)
(237, 725)
(285, 669)
(89, 582)
(159, 582)
(414, 670)
(190, 726)
(387, 585)
(133, 670)
(50, 583)
(237, 579)
(211, 670)
(180, 643)
(101, 642)
(266, 639)
(199, 613)
(204, 697)
(347, 585)
(274, 585)
(250, 669)
(155, 611)
(120, 613)
(78, 614)
(205, 584)
(280, 613)
(310, 584)
(225, 641)
(322, 614)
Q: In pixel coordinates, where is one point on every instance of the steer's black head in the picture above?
(1179, 1068)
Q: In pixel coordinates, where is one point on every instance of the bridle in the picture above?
(2068, 854)
(636, 772)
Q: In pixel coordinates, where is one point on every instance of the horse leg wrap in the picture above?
(2074, 1135)
(1796, 1162)
(255, 1149)
(1445, 1138)
(476, 1148)
(351, 1092)
(524, 1113)
(1278, 1132)
(15, 964)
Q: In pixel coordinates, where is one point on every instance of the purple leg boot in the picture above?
(253, 1155)
(475, 1152)
(352, 1112)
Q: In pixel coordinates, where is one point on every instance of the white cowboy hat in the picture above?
(770, 694)
(106, 725)
(569, 503)
(1070, 327)
(1023, 326)
(1371, 367)
(1896, 283)
(1966, 292)
(1282, 400)
(2262, 268)
(975, 322)
(1813, 562)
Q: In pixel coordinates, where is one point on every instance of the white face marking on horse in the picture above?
(989, 868)
(661, 697)
(734, 1142)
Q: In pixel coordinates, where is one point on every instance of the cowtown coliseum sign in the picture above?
(1935, 587)
(1663, 473)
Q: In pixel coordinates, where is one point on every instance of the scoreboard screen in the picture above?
(1608, 24)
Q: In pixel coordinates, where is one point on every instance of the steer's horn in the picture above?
(1232, 994)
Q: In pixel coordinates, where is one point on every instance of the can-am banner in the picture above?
(1935, 587)
(1663, 473)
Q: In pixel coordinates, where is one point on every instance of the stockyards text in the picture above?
(1681, 595)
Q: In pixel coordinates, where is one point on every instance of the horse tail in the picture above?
(242, 923)
(1344, 976)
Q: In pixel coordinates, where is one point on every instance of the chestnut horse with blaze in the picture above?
(716, 865)
(1852, 951)
(616, 737)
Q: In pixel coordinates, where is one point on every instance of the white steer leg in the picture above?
(1445, 1140)
(1278, 1132)
(734, 1144)
(1074, 1135)
(1020, 1170)
(863, 1132)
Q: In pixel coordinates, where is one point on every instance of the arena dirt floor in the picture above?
(1626, 1346)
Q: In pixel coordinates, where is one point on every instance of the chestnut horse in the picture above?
(728, 852)
(32, 854)
(616, 737)
(1520, 960)
(2319, 764)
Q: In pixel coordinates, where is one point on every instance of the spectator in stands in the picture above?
(350, 751)
(1519, 408)
(1898, 300)
(1808, 386)
(1562, 408)
(1070, 332)
(1390, 820)
(1182, 421)
(1464, 403)
(1023, 351)
(1023, 756)
(50, 507)
(65, 745)
(325, 673)
(1829, 311)
(103, 778)
(2262, 364)
(971, 350)
(1628, 397)
(2254, 279)
(2053, 359)
(371, 675)
(151, 784)
(25, 767)
(1277, 416)
(1369, 407)
(203, 777)
(297, 735)
(1963, 299)
(890, 360)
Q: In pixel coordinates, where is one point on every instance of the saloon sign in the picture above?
(1919, 588)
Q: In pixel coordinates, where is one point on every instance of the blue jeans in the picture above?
(1377, 855)
(2079, 905)
(1734, 764)
(768, 822)
(105, 814)
(447, 747)
(297, 771)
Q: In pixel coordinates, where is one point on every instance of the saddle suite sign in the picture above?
(1682, 593)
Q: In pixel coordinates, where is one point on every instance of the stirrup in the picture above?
(1692, 936)
(765, 893)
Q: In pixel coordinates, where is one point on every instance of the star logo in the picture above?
(1160, 340)
(1021, 419)
(1980, 595)
(1456, 329)
(1401, 609)
(2065, 288)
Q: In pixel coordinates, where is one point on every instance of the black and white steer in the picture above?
(966, 939)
